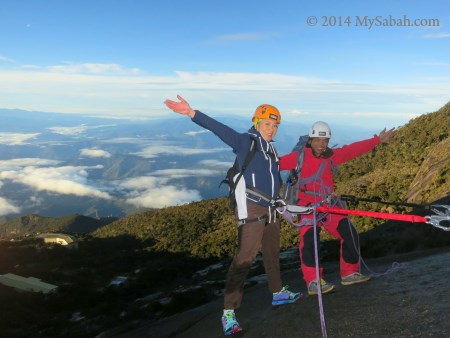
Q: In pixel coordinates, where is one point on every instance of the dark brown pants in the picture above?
(252, 238)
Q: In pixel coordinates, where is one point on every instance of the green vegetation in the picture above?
(205, 229)
(415, 167)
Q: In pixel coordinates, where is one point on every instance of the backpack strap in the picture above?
(251, 152)
(291, 185)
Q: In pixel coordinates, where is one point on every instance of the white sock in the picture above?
(225, 312)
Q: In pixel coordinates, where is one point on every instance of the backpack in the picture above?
(292, 183)
(236, 170)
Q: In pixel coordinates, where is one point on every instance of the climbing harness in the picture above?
(258, 194)
(251, 220)
(274, 205)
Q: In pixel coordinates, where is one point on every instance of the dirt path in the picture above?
(412, 302)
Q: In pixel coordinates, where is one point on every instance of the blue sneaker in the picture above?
(230, 324)
(285, 297)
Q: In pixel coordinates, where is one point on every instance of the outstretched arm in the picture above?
(181, 107)
(386, 136)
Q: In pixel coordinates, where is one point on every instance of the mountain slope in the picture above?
(414, 167)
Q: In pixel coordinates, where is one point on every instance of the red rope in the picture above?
(374, 214)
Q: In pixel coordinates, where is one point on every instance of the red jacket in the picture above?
(324, 185)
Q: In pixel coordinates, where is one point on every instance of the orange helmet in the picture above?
(266, 111)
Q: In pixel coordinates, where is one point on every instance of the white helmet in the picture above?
(320, 129)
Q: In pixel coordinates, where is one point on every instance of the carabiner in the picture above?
(441, 216)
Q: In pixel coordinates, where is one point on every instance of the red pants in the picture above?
(338, 226)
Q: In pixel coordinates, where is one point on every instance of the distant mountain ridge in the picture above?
(33, 224)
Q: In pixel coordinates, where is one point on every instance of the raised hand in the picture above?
(181, 107)
(386, 136)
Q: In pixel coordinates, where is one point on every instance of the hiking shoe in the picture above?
(230, 324)
(324, 287)
(285, 296)
(354, 278)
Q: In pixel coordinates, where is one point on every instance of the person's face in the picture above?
(267, 128)
(319, 145)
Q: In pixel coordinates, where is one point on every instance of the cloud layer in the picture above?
(113, 91)
(37, 175)
(156, 192)
(94, 153)
(14, 139)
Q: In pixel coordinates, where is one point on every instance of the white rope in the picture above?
(318, 279)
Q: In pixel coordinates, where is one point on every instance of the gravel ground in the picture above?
(412, 301)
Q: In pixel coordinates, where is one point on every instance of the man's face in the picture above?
(319, 145)
(268, 129)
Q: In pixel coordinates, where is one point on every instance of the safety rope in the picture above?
(374, 214)
(440, 219)
(318, 279)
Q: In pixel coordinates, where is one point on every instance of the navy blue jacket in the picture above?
(263, 170)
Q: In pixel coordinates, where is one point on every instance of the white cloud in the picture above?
(296, 113)
(440, 35)
(141, 96)
(69, 131)
(154, 151)
(36, 200)
(155, 192)
(14, 139)
(6, 59)
(181, 173)
(215, 163)
(142, 182)
(245, 81)
(76, 130)
(7, 208)
(25, 162)
(129, 140)
(193, 133)
(92, 68)
(94, 153)
(164, 196)
(66, 180)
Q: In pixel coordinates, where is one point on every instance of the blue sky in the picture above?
(124, 58)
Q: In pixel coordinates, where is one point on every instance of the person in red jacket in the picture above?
(316, 183)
